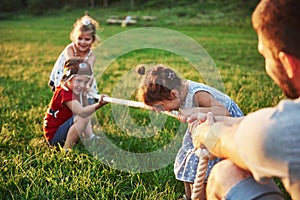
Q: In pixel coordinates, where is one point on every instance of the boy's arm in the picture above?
(78, 109)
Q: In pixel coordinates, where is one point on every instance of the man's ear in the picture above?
(174, 93)
(289, 63)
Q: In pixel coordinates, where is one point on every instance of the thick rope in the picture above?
(198, 186)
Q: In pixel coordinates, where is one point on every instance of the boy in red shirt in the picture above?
(69, 112)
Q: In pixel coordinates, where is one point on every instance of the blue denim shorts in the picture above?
(61, 133)
(249, 189)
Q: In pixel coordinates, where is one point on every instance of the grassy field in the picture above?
(29, 46)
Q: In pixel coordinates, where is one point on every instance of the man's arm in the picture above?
(218, 135)
(245, 141)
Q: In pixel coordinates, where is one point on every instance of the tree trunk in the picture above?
(131, 3)
(92, 4)
(105, 3)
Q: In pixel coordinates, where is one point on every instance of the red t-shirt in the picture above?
(57, 112)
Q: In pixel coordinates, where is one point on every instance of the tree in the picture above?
(131, 3)
(105, 3)
(92, 4)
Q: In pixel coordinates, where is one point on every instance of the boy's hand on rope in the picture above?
(101, 101)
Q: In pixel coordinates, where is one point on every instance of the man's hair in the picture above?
(279, 23)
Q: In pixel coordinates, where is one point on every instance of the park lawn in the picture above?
(29, 169)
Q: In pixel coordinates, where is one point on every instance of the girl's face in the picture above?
(78, 83)
(173, 103)
(167, 105)
(84, 41)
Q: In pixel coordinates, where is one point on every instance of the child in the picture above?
(69, 113)
(164, 90)
(83, 37)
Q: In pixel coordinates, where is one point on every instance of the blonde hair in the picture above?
(85, 24)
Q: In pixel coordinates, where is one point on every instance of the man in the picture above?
(265, 143)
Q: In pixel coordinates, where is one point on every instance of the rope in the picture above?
(198, 186)
(135, 104)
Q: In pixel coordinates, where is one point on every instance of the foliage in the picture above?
(42, 7)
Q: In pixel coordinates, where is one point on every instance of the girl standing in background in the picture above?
(83, 37)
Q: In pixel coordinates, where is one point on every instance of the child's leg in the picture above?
(88, 133)
(203, 194)
(79, 126)
(189, 190)
(188, 187)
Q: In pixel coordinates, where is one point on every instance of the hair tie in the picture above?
(141, 70)
(85, 21)
(171, 75)
(83, 65)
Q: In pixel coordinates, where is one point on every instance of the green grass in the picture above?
(29, 46)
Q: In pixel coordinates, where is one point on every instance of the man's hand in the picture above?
(199, 126)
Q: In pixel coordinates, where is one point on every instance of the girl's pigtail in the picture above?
(86, 12)
(141, 70)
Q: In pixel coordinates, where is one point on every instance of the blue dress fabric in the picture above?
(186, 162)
